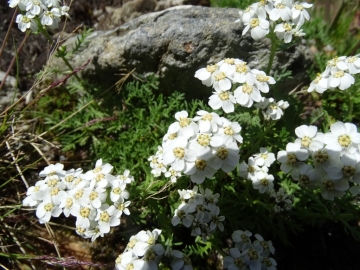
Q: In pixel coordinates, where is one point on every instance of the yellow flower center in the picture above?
(254, 22)
(200, 164)
(69, 203)
(172, 136)
(291, 159)
(79, 194)
(305, 141)
(229, 61)
(304, 180)
(48, 207)
(264, 182)
(93, 195)
(262, 78)
(220, 76)
(224, 95)
(242, 68)
(55, 191)
(228, 131)
(298, 7)
(328, 185)
(339, 74)
(204, 140)
(287, 27)
(179, 152)
(247, 89)
(211, 68)
(222, 153)
(321, 156)
(344, 140)
(184, 122)
(348, 171)
(85, 212)
(69, 178)
(104, 217)
(207, 117)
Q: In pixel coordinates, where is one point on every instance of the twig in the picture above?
(51, 232)
(8, 32)
(16, 164)
(13, 60)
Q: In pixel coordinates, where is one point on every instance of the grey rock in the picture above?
(174, 43)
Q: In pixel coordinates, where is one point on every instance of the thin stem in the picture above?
(350, 106)
(8, 33)
(49, 38)
(274, 43)
(14, 58)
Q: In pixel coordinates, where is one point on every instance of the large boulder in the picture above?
(174, 43)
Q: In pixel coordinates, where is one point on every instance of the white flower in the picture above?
(118, 191)
(243, 73)
(341, 79)
(126, 177)
(70, 206)
(35, 7)
(216, 221)
(263, 182)
(259, 27)
(235, 261)
(145, 240)
(267, 245)
(177, 154)
(246, 94)
(96, 196)
(208, 122)
(247, 14)
(153, 256)
(85, 215)
(53, 169)
(51, 18)
(230, 131)
(185, 126)
(181, 261)
(199, 170)
(226, 157)
(306, 175)
(343, 137)
(20, 3)
(51, 3)
(284, 31)
(227, 66)
(335, 64)
(291, 156)
(348, 169)
(307, 138)
(46, 210)
(121, 207)
(183, 214)
(262, 81)
(107, 219)
(353, 63)
(174, 175)
(274, 109)
(268, 264)
(333, 188)
(125, 260)
(222, 99)
(248, 171)
(299, 13)
(264, 158)
(97, 176)
(320, 84)
(206, 74)
(281, 10)
(242, 239)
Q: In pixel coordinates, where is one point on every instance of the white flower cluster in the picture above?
(46, 12)
(227, 72)
(197, 147)
(256, 170)
(180, 261)
(338, 74)
(287, 15)
(283, 200)
(272, 109)
(250, 255)
(334, 159)
(198, 210)
(142, 252)
(82, 195)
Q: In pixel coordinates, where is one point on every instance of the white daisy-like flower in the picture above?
(53, 169)
(348, 169)
(268, 263)
(21, 4)
(225, 157)
(306, 175)
(85, 215)
(259, 27)
(51, 18)
(325, 158)
(235, 261)
(320, 84)
(47, 209)
(274, 110)
(242, 239)
(335, 64)
(299, 12)
(222, 99)
(333, 188)
(263, 182)
(173, 175)
(181, 261)
(145, 240)
(183, 214)
(230, 131)
(51, 3)
(122, 207)
(35, 7)
(207, 122)
(284, 31)
(353, 63)
(248, 171)
(107, 219)
(307, 138)
(184, 126)
(281, 10)
(125, 261)
(177, 154)
(70, 206)
(97, 176)
(227, 66)
(246, 94)
(291, 156)
(247, 14)
(205, 75)
(343, 137)
(262, 80)
(199, 170)
(96, 196)
(221, 81)
(340, 79)
(264, 158)
(267, 245)
(243, 73)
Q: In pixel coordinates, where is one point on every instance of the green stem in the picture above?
(350, 105)
(48, 37)
(274, 44)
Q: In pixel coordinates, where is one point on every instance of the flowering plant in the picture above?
(220, 170)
